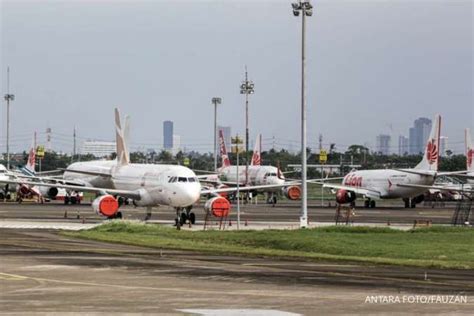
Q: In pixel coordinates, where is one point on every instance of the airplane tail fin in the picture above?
(30, 164)
(469, 150)
(431, 156)
(121, 135)
(256, 157)
(223, 150)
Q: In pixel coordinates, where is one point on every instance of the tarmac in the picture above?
(42, 271)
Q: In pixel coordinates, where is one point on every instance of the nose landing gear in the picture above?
(183, 215)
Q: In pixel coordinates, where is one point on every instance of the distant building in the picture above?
(382, 144)
(443, 145)
(176, 144)
(227, 134)
(168, 135)
(419, 134)
(403, 144)
(98, 148)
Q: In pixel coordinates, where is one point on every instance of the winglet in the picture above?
(430, 160)
(256, 157)
(123, 157)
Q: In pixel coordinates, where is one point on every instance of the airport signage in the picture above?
(323, 156)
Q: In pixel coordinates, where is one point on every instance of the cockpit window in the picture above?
(192, 179)
(182, 179)
(172, 179)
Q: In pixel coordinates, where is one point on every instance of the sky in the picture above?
(372, 67)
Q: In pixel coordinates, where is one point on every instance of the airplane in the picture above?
(148, 185)
(257, 175)
(469, 156)
(407, 184)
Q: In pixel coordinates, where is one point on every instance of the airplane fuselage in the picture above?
(257, 175)
(172, 185)
(385, 181)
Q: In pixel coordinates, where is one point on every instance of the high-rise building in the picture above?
(176, 144)
(403, 145)
(168, 135)
(443, 145)
(419, 134)
(382, 144)
(227, 134)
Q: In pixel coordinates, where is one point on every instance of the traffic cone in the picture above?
(230, 223)
(246, 224)
(65, 214)
(83, 220)
(388, 223)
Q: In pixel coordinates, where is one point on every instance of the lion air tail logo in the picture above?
(469, 150)
(256, 157)
(224, 156)
(432, 152)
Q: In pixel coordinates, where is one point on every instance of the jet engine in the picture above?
(106, 205)
(344, 196)
(218, 206)
(292, 192)
(223, 194)
(49, 192)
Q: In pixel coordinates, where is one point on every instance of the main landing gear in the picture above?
(183, 215)
(369, 203)
(272, 199)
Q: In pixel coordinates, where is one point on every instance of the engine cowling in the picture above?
(345, 196)
(218, 206)
(292, 192)
(106, 205)
(49, 192)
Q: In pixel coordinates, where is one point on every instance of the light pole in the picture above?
(306, 9)
(8, 97)
(215, 101)
(247, 87)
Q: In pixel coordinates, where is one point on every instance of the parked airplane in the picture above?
(407, 184)
(257, 175)
(147, 184)
(469, 155)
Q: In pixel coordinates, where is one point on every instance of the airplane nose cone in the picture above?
(187, 196)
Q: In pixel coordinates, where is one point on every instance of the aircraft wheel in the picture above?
(66, 200)
(9, 197)
(73, 200)
(366, 203)
(2, 196)
(192, 218)
(118, 215)
(372, 204)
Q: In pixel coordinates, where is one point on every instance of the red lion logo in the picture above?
(470, 157)
(432, 152)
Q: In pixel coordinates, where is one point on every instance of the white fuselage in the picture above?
(385, 181)
(150, 180)
(257, 175)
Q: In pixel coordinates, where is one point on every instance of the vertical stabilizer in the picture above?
(430, 160)
(223, 150)
(123, 157)
(30, 164)
(257, 151)
(469, 150)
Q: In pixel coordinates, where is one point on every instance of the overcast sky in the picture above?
(372, 67)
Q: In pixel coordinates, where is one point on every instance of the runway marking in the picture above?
(11, 277)
(238, 312)
(165, 289)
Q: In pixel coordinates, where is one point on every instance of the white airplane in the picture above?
(147, 184)
(258, 175)
(407, 184)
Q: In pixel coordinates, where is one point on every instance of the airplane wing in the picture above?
(125, 193)
(249, 188)
(373, 194)
(437, 187)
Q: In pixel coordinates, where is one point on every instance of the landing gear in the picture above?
(409, 203)
(189, 215)
(369, 203)
(179, 218)
(271, 199)
(148, 213)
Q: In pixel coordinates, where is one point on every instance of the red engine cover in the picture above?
(344, 196)
(218, 206)
(293, 192)
(106, 205)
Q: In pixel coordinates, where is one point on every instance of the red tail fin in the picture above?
(256, 157)
(224, 156)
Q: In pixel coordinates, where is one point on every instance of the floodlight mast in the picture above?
(215, 101)
(247, 87)
(306, 9)
(8, 97)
